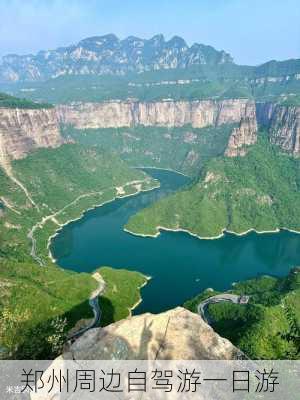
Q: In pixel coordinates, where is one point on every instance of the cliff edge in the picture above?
(23, 130)
(177, 334)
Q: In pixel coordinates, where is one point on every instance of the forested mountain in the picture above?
(109, 55)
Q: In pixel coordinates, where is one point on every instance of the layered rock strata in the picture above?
(244, 135)
(282, 123)
(23, 130)
(167, 113)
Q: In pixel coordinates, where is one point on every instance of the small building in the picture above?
(243, 299)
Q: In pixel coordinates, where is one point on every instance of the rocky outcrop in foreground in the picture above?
(23, 130)
(173, 335)
(282, 123)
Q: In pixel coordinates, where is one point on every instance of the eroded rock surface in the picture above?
(23, 130)
(282, 123)
(168, 113)
(244, 135)
(175, 334)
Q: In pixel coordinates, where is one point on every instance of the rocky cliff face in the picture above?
(173, 335)
(244, 135)
(282, 123)
(23, 130)
(168, 113)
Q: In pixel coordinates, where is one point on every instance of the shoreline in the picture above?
(140, 300)
(117, 196)
(224, 231)
(164, 169)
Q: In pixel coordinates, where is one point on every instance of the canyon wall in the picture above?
(23, 130)
(168, 113)
(282, 123)
(244, 135)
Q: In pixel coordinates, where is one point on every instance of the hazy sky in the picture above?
(253, 31)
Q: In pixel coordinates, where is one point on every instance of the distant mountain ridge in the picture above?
(108, 54)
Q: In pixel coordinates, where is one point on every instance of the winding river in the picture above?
(180, 265)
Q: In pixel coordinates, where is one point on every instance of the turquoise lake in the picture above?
(181, 266)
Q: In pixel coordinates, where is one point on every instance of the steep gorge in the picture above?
(282, 122)
(169, 114)
(23, 130)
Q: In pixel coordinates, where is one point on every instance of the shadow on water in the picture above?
(180, 265)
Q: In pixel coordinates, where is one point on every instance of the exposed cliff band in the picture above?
(282, 123)
(23, 130)
(168, 113)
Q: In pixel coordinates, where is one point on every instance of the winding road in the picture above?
(232, 298)
(39, 225)
(94, 303)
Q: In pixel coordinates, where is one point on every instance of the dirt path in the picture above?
(52, 217)
(6, 165)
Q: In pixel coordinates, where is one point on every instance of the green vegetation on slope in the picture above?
(63, 183)
(259, 191)
(122, 292)
(57, 177)
(14, 102)
(183, 149)
(38, 306)
(196, 82)
(145, 87)
(268, 327)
